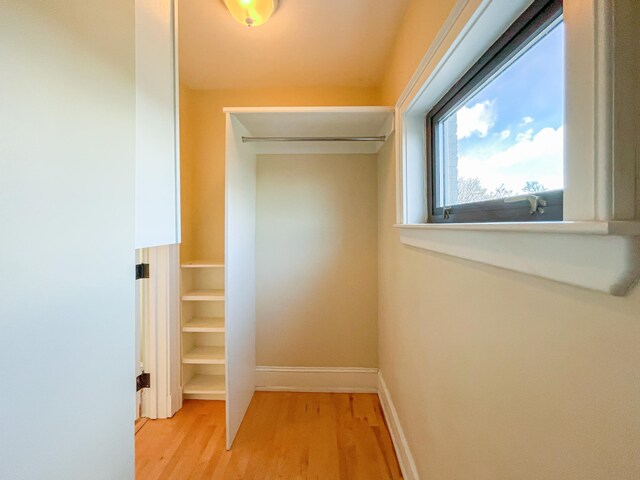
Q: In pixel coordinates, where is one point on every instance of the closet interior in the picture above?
(251, 133)
(210, 354)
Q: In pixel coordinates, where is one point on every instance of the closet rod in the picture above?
(314, 139)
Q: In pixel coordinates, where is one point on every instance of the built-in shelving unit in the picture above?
(203, 330)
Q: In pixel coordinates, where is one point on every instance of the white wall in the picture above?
(157, 179)
(316, 260)
(67, 143)
(500, 375)
(495, 374)
(240, 276)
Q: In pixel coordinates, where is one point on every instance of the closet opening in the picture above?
(299, 265)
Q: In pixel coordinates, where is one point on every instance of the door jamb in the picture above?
(160, 308)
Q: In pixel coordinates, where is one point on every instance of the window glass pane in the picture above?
(507, 138)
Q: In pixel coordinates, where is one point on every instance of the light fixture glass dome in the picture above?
(251, 12)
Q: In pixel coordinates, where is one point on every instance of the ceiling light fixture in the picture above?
(252, 12)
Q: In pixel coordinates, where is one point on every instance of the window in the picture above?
(595, 243)
(495, 140)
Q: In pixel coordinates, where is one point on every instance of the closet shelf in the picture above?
(202, 264)
(204, 324)
(202, 329)
(205, 385)
(203, 295)
(312, 122)
(204, 356)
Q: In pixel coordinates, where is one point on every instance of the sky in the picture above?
(511, 131)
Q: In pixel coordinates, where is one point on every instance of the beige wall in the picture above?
(495, 375)
(316, 260)
(499, 375)
(202, 126)
(421, 24)
(188, 192)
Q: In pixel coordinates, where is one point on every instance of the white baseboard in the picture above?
(405, 458)
(317, 379)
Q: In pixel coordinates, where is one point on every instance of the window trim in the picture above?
(597, 244)
(540, 16)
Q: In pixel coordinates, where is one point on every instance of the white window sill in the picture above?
(602, 256)
(585, 228)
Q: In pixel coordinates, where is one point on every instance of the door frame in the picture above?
(160, 331)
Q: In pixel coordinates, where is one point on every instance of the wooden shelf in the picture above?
(205, 385)
(204, 356)
(205, 324)
(202, 264)
(203, 295)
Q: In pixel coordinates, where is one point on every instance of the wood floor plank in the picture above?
(140, 423)
(284, 435)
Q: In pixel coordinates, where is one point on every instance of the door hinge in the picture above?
(143, 381)
(142, 271)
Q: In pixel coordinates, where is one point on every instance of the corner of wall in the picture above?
(400, 443)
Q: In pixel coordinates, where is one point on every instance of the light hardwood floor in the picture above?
(284, 436)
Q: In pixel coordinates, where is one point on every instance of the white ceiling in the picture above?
(307, 43)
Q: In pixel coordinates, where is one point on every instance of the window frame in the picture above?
(540, 16)
(596, 244)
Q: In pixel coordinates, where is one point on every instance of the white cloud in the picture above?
(527, 120)
(505, 133)
(477, 119)
(532, 157)
(523, 137)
